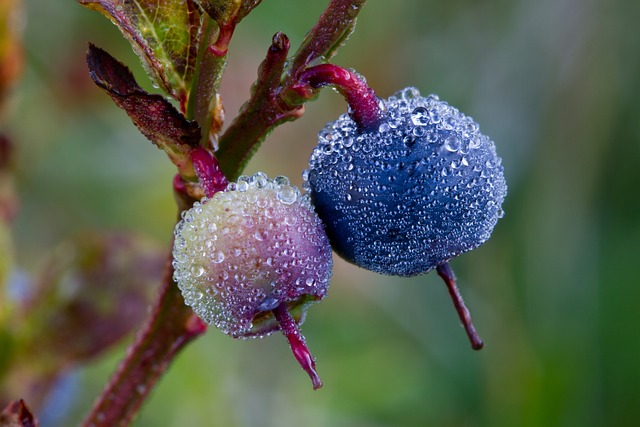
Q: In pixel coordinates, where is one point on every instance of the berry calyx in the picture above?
(422, 188)
(251, 259)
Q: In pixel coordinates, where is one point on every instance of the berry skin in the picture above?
(420, 189)
(252, 258)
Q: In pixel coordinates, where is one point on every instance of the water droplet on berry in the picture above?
(420, 116)
(197, 270)
(452, 143)
(287, 194)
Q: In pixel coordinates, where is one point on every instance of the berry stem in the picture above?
(446, 273)
(365, 105)
(297, 342)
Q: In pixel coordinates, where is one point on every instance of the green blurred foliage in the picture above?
(554, 293)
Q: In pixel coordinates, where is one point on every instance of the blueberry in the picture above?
(251, 259)
(422, 188)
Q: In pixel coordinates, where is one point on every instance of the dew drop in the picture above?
(287, 194)
(197, 270)
(452, 143)
(217, 257)
(260, 180)
(242, 185)
(419, 131)
(420, 116)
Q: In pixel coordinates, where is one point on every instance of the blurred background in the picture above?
(554, 293)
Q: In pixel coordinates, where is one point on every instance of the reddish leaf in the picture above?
(164, 34)
(17, 414)
(156, 117)
(94, 290)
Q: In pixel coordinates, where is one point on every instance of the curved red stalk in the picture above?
(365, 106)
(298, 345)
(445, 271)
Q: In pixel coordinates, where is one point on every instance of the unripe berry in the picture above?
(252, 258)
(421, 188)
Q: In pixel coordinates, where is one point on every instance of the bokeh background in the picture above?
(554, 293)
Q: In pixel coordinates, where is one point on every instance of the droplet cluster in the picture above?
(240, 254)
(424, 188)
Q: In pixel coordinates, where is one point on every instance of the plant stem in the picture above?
(170, 327)
(446, 273)
(334, 26)
(204, 104)
(364, 104)
(272, 101)
(290, 330)
(263, 112)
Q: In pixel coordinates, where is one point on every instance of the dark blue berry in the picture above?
(402, 199)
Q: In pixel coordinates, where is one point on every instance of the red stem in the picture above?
(445, 271)
(290, 329)
(365, 105)
(263, 112)
(169, 327)
(332, 29)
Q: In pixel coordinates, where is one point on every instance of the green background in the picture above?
(554, 293)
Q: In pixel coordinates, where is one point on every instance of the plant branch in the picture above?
(333, 28)
(170, 327)
(263, 112)
(272, 100)
(210, 177)
(204, 103)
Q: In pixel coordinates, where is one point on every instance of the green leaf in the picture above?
(156, 117)
(163, 33)
(6, 264)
